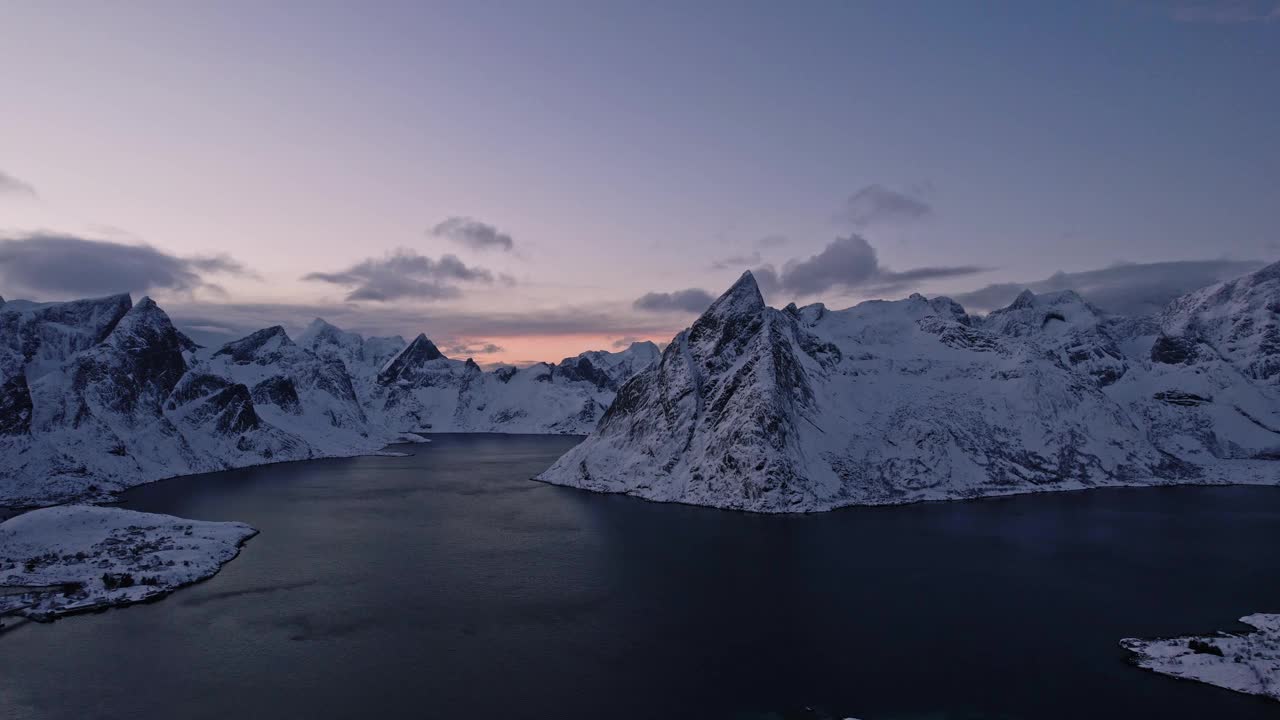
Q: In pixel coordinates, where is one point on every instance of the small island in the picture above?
(76, 558)
(1246, 662)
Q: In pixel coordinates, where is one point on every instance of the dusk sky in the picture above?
(527, 180)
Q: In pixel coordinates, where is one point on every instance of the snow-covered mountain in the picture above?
(413, 387)
(808, 409)
(755, 408)
(99, 395)
(421, 390)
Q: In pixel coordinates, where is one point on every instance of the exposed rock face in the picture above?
(42, 337)
(887, 402)
(413, 364)
(718, 414)
(120, 410)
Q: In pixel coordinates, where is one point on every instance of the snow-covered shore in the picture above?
(61, 560)
(1245, 662)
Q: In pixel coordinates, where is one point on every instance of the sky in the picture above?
(524, 181)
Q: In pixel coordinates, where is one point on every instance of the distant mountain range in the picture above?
(100, 395)
(751, 408)
(806, 408)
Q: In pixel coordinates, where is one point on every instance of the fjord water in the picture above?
(448, 585)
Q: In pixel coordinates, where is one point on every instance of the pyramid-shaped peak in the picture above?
(1026, 298)
(145, 324)
(415, 354)
(321, 329)
(423, 348)
(320, 324)
(249, 347)
(145, 306)
(742, 297)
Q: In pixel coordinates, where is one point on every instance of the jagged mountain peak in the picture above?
(146, 327)
(407, 361)
(321, 330)
(1054, 312)
(426, 349)
(92, 316)
(40, 337)
(741, 297)
(643, 346)
(259, 345)
(320, 326)
(1026, 298)
(730, 320)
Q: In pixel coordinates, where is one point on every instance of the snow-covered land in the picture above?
(754, 408)
(99, 395)
(808, 409)
(73, 558)
(1244, 662)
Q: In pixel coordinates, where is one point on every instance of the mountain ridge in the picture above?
(751, 407)
(101, 394)
(809, 409)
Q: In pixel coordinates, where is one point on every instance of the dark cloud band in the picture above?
(474, 234)
(877, 204)
(1130, 289)
(692, 300)
(69, 266)
(849, 263)
(404, 274)
(10, 185)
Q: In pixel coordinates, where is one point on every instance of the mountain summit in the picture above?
(808, 409)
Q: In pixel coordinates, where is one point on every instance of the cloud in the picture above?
(404, 274)
(474, 234)
(878, 205)
(744, 260)
(849, 263)
(468, 350)
(692, 300)
(10, 185)
(1126, 289)
(1225, 12)
(623, 343)
(737, 261)
(71, 266)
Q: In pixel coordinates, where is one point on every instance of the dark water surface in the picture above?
(447, 585)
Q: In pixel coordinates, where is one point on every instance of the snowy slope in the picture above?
(887, 402)
(297, 391)
(362, 357)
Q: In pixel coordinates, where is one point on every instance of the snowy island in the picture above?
(62, 560)
(1245, 662)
